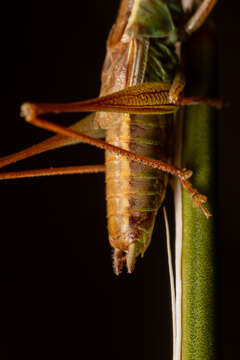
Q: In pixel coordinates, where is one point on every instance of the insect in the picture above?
(142, 80)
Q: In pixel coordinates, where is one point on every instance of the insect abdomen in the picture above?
(134, 191)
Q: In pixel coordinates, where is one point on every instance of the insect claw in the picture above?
(205, 211)
(198, 201)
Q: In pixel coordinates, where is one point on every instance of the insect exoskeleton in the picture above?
(135, 191)
(141, 85)
(141, 51)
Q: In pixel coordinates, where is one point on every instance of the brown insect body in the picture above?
(142, 47)
(134, 192)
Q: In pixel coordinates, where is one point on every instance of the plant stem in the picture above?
(198, 262)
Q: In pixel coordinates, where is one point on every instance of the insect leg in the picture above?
(200, 15)
(85, 125)
(182, 174)
(195, 100)
(68, 170)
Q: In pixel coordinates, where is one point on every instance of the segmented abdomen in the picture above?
(134, 191)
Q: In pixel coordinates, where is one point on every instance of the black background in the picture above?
(59, 297)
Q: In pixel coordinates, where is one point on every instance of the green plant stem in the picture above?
(199, 234)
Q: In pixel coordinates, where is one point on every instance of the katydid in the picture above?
(142, 82)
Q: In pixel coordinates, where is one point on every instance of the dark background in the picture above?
(59, 297)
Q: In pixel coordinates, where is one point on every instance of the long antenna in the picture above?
(172, 282)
